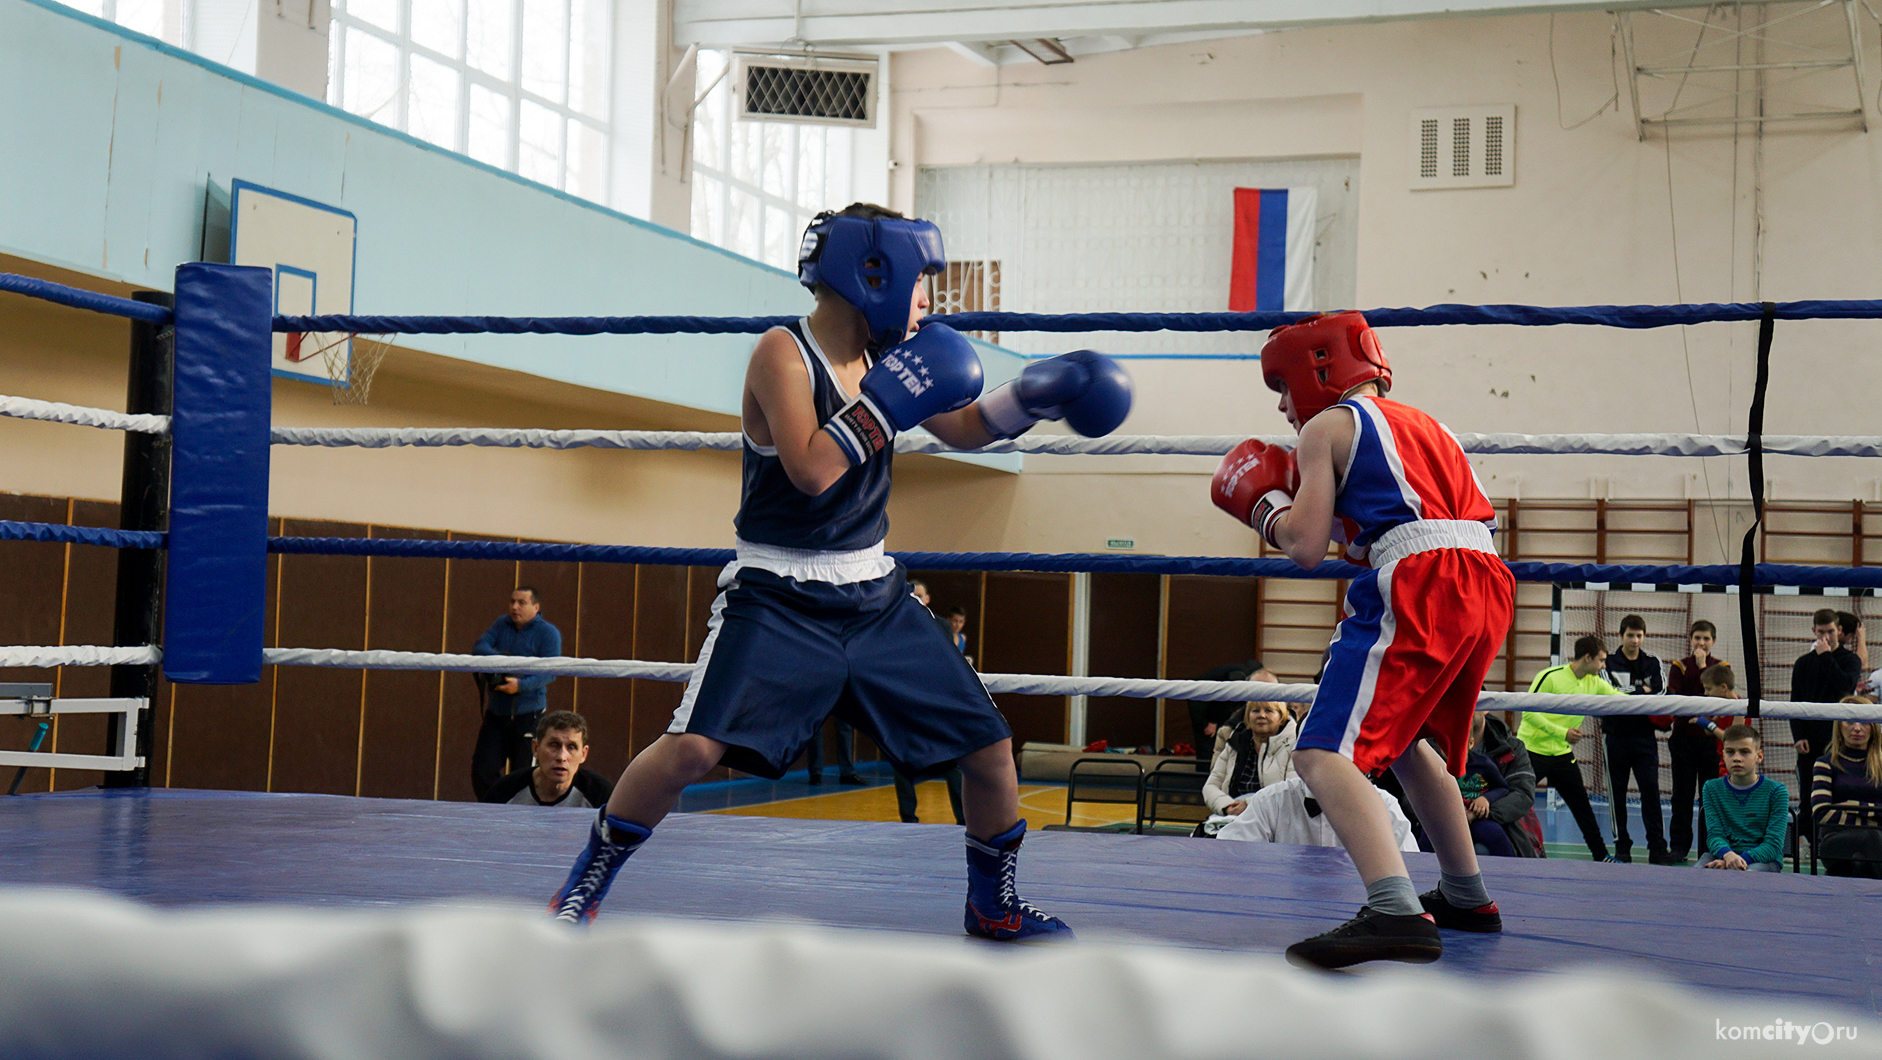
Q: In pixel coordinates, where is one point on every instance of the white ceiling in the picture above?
(980, 27)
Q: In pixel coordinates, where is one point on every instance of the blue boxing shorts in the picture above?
(784, 650)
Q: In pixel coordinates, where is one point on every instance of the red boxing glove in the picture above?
(1255, 483)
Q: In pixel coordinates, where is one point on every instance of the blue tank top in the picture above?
(852, 514)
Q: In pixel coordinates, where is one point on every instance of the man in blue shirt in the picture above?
(513, 704)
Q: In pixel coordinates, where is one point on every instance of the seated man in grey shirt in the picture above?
(557, 778)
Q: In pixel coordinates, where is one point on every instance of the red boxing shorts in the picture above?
(1410, 657)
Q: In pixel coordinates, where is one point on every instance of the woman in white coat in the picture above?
(1257, 752)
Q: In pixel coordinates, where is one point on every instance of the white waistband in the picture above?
(811, 565)
(1427, 535)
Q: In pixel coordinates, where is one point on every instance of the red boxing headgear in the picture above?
(1321, 358)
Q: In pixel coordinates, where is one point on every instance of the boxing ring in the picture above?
(300, 925)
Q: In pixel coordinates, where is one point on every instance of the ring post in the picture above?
(144, 502)
(216, 579)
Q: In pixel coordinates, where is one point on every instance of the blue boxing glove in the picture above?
(1089, 391)
(935, 371)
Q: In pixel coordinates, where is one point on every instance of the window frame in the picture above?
(395, 112)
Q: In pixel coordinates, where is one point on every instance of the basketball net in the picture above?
(351, 360)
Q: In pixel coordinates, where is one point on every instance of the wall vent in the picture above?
(812, 90)
(1463, 147)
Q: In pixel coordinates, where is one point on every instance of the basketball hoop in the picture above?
(351, 360)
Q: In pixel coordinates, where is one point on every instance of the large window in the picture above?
(756, 184)
(520, 84)
(162, 19)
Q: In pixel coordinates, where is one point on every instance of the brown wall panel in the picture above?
(317, 710)
(90, 602)
(1126, 615)
(34, 588)
(559, 586)
(479, 595)
(660, 606)
(1212, 623)
(1027, 631)
(606, 622)
(218, 736)
(35, 582)
(398, 741)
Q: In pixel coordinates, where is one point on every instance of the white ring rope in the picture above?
(1017, 684)
(1067, 445)
(922, 442)
(1043, 685)
(77, 655)
(59, 412)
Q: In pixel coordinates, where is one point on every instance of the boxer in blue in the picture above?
(813, 617)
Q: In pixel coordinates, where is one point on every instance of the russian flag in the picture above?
(1273, 263)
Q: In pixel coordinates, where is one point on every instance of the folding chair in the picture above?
(1108, 779)
(1173, 792)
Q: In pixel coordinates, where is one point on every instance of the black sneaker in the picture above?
(1663, 857)
(850, 778)
(1484, 920)
(1371, 936)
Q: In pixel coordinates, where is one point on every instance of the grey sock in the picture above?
(1393, 895)
(1464, 892)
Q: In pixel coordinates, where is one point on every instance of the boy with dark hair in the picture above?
(1746, 814)
(1550, 737)
(1824, 674)
(1631, 745)
(1692, 742)
(814, 617)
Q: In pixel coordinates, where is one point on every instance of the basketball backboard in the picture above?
(312, 248)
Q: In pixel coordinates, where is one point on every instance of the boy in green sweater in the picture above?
(1746, 814)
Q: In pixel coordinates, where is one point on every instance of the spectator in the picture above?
(1549, 737)
(1514, 812)
(1205, 718)
(513, 705)
(956, 620)
(906, 802)
(1287, 813)
(1746, 815)
(1633, 749)
(1849, 628)
(1481, 785)
(1693, 742)
(558, 777)
(1846, 799)
(845, 756)
(1824, 674)
(1255, 753)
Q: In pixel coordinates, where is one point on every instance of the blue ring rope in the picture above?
(1215, 566)
(59, 533)
(1618, 316)
(79, 298)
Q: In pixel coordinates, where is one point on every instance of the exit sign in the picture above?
(1120, 542)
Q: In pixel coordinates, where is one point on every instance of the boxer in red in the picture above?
(1421, 626)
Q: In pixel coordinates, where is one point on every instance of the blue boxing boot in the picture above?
(610, 842)
(994, 909)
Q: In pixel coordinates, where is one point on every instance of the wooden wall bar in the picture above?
(409, 735)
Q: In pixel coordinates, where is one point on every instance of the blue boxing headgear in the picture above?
(873, 264)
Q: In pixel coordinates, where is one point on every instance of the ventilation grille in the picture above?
(818, 90)
(1476, 142)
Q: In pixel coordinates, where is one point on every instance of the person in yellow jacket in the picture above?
(1549, 736)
